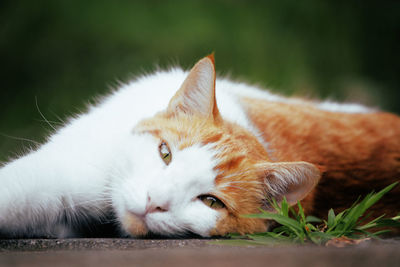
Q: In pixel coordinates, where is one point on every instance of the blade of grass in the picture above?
(331, 218)
(301, 212)
(298, 228)
(289, 222)
(313, 219)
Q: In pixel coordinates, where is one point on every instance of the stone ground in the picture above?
(189, 252)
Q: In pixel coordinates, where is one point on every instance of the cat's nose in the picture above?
(154, 206)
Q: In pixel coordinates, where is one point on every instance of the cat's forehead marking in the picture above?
(232, 151)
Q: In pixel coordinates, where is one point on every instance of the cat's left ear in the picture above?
(292, 180)
(196, 95)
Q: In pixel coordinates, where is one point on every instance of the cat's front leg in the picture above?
(43, 196)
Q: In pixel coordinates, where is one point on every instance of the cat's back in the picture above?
(320, 132)
(357, 148)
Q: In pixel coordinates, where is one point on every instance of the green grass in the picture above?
(296, 227)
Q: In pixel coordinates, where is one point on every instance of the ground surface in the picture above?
(192, 252)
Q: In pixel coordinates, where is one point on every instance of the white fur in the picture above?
(96, 161)
(345, 108)
(177, 186)
(244, 90)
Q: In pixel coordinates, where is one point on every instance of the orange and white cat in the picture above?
(178, 153)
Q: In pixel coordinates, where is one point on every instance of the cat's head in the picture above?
(190, 171)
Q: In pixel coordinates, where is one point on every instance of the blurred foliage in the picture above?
(63, 53)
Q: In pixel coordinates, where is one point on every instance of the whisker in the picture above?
(61, 121)
(41, 114)
(54, 122)
(20, 138)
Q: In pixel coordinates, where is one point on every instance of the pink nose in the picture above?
(152, 207)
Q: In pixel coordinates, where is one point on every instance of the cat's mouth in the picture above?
(135, 225)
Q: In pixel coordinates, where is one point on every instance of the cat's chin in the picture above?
(134, 225)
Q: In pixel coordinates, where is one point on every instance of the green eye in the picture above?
(165, 153)
(212, 202)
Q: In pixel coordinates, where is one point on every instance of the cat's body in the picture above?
(357, 152)
(172, 163)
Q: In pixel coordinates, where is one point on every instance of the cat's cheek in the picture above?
(223, 226)
(229, 223)
(134, 225)
(129, 224)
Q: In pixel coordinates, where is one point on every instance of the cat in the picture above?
(171, 155)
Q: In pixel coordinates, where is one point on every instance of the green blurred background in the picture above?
(63, 53)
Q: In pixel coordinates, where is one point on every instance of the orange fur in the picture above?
(238, 152)
(356, 153)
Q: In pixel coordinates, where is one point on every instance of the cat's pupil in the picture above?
(212, 202)
(165, 153)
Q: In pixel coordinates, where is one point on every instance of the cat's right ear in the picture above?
(290, 180)
(196, 96)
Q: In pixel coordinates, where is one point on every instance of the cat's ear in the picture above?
(292, 180)
(196, 95)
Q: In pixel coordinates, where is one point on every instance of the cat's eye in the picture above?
(165, 153)
(212, 202)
